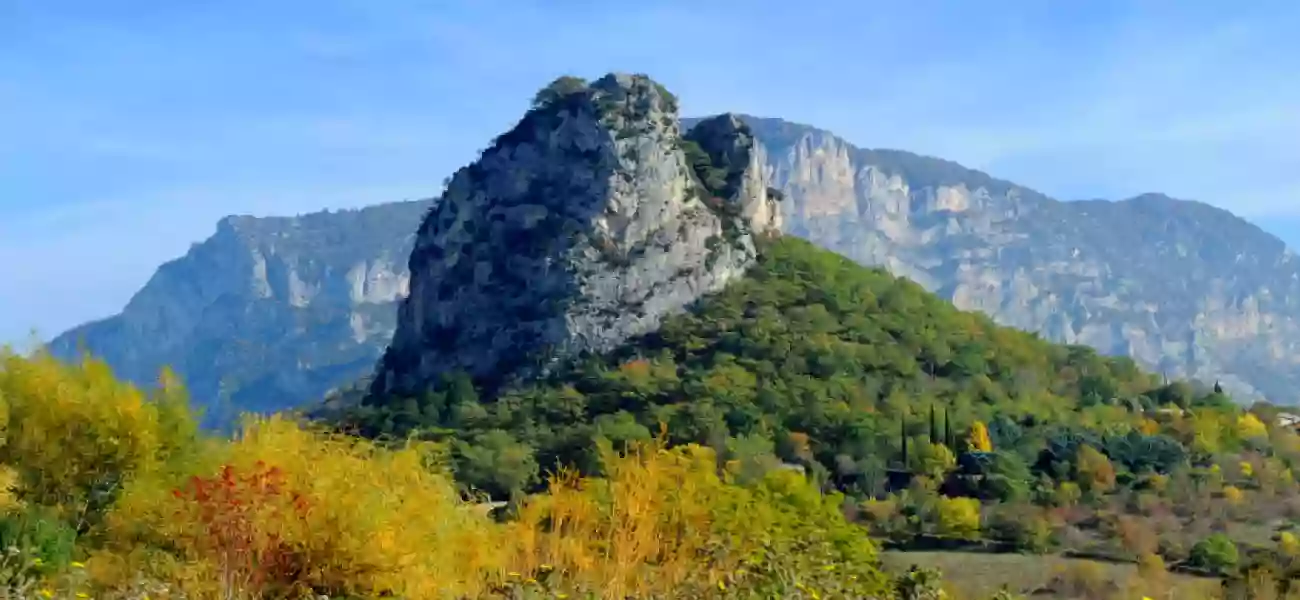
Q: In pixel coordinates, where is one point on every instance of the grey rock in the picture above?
(580, 228)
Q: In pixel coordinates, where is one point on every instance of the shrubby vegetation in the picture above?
(942, 428)
(113, 493)
(750, 449)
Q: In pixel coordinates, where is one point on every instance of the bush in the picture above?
(284, 511)
(665, 521)
(1216, 552)
(957, 517)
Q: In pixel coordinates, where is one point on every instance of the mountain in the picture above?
(268, 312)
(1182, 287)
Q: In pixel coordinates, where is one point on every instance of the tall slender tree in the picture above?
(902, 431)
(947, 431)
(934, 426)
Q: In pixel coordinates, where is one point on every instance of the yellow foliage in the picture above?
(1233, 495)
(1148, 426)
(1288, 544)
(73, 431)
(653, 526)
(933, 461)
(1247, 469)
(1068, 493)
(281, 511)
(979, 438)
(372, 519)
(958, 517)
(1249, 427)
(1096, 473)
(1207, 431)
(8, 489)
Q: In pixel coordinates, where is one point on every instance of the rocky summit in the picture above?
(584, 225)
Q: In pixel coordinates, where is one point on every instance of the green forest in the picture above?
(817, 430)
(941, 428)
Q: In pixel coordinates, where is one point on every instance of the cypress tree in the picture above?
(902, 431)
(934, 426)
(947, 431)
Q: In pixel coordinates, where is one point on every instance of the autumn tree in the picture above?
(1249, 427)
(1095, 473)
(979, 438)
(957, 517)
(934, 461)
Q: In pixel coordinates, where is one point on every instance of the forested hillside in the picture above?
(946, 428)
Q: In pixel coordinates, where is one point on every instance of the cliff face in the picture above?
(1180, 286)
(583, 226)
(272, 312)
(268, 313)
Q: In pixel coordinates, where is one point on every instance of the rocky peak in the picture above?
(584, 225)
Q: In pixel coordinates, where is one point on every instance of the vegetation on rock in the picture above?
(943, 428)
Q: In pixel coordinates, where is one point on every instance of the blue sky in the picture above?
(128, 128)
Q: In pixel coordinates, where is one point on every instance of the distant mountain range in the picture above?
(271, 313)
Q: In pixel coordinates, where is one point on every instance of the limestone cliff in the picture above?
(268, 313)
(582, 226)
(1180, 286)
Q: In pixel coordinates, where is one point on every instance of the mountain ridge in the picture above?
(975, 239)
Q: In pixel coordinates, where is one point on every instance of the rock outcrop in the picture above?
(581, 227)
(268, 313)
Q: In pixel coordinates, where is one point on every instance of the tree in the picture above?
(902, 428)
(948, 439)
(1022, 524)
(1095, 473)
(1250, 427)
(957, 517)
(1216, 552)
(1178, 393)
(979, 438)
(1007, 477)
(934, 427)
(561, 87)
(496, 463)
(795, 447)
(1288, 545)
(934, 461)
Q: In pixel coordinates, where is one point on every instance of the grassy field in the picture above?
(977, 576)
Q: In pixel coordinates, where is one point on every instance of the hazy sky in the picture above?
(127, 128)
